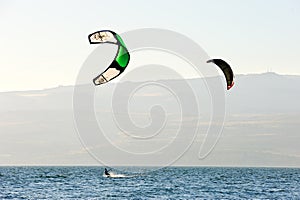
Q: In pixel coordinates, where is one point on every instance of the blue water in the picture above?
(166, 183)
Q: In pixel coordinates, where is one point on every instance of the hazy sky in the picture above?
(44, 43)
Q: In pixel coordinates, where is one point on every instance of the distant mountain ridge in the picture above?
(252, 93)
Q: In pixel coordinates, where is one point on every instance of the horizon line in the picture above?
(60, 85)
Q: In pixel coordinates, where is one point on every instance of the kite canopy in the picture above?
(121, 59)
(225, 67)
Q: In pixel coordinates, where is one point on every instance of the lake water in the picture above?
(165, 183)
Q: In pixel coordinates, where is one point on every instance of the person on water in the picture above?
(106, 172)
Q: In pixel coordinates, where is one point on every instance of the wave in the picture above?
(113, 175)
(53, 176)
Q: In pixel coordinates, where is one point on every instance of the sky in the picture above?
(44, 43)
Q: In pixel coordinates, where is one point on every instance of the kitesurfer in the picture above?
(106, 172)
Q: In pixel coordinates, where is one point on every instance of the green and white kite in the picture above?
(121, 59)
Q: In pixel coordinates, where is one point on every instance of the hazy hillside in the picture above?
(257, 93)
(261, 127)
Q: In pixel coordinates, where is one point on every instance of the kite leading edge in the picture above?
(225, 67)
(121, 59)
